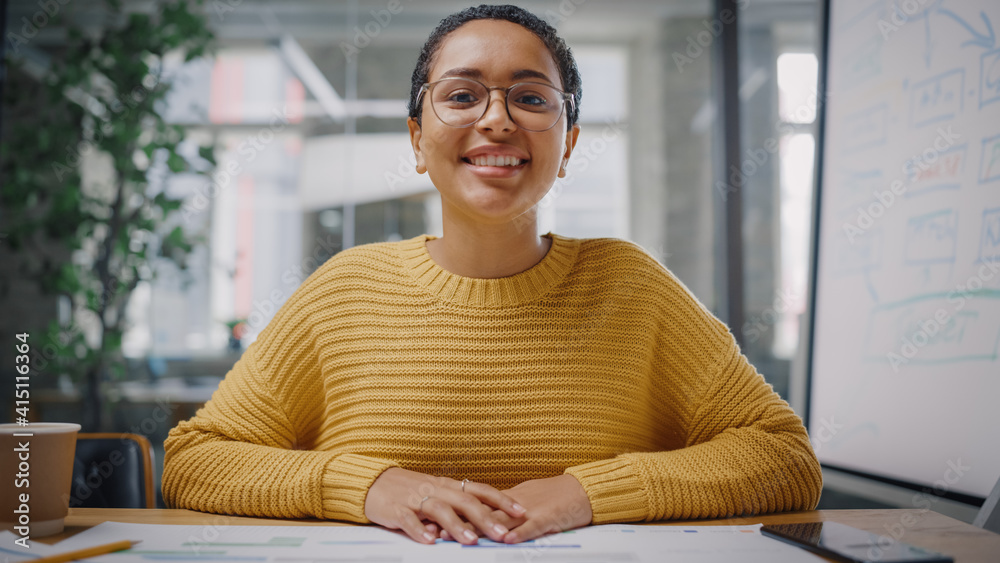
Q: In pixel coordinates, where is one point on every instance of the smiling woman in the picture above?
(493, 381)
(490, 208)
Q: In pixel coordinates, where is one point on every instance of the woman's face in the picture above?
(496, 53)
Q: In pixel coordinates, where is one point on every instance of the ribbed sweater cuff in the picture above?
(346, 480)
(616, 494)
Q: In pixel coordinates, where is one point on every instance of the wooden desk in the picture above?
(964, 542)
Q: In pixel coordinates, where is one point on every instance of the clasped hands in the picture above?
(427, 507)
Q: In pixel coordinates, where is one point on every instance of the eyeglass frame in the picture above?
(566, 96)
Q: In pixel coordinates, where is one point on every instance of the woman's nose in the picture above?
(496, 117)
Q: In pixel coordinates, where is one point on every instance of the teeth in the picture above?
(493, 160)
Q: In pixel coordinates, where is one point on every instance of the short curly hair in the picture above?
(568, 71)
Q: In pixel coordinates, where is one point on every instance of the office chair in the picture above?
(112, 471)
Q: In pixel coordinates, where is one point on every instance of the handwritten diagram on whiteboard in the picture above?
(906, 357)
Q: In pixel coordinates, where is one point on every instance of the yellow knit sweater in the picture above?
(595, 362)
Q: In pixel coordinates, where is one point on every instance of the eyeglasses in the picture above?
(460, 102)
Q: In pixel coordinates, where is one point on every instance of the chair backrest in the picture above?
(989, 515)
(112, 471)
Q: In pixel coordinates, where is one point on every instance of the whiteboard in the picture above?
(905, 377)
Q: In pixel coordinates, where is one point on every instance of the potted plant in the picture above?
(99, 102)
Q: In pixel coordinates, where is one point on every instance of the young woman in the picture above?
(492, 381)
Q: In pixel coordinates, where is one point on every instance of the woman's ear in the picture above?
(571, 136)
(415, 134)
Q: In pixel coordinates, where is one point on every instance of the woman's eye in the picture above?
(531, 100)
(462, 97)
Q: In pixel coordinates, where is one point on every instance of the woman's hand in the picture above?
(396, 500)
(555, 504)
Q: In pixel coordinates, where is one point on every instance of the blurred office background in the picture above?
(304, 102)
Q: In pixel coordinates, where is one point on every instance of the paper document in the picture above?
(370, 544)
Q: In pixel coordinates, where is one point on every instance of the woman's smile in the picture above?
(494, 170)
(496, 161)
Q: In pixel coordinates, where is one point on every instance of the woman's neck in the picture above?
(476, 250)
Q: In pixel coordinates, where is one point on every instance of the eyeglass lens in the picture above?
(461, 102)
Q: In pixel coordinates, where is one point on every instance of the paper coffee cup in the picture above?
(36, 469)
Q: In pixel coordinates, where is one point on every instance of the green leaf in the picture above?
(166, 204)
(176, 163)
(91, 300)
(113, 340)
(67, 280)
(208, 153)
(176, 239)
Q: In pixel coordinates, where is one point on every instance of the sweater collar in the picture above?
(512, 290)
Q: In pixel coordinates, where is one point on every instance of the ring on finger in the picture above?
(421, 505)
(464, 481)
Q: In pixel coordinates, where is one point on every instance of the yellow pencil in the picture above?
(87, 552)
